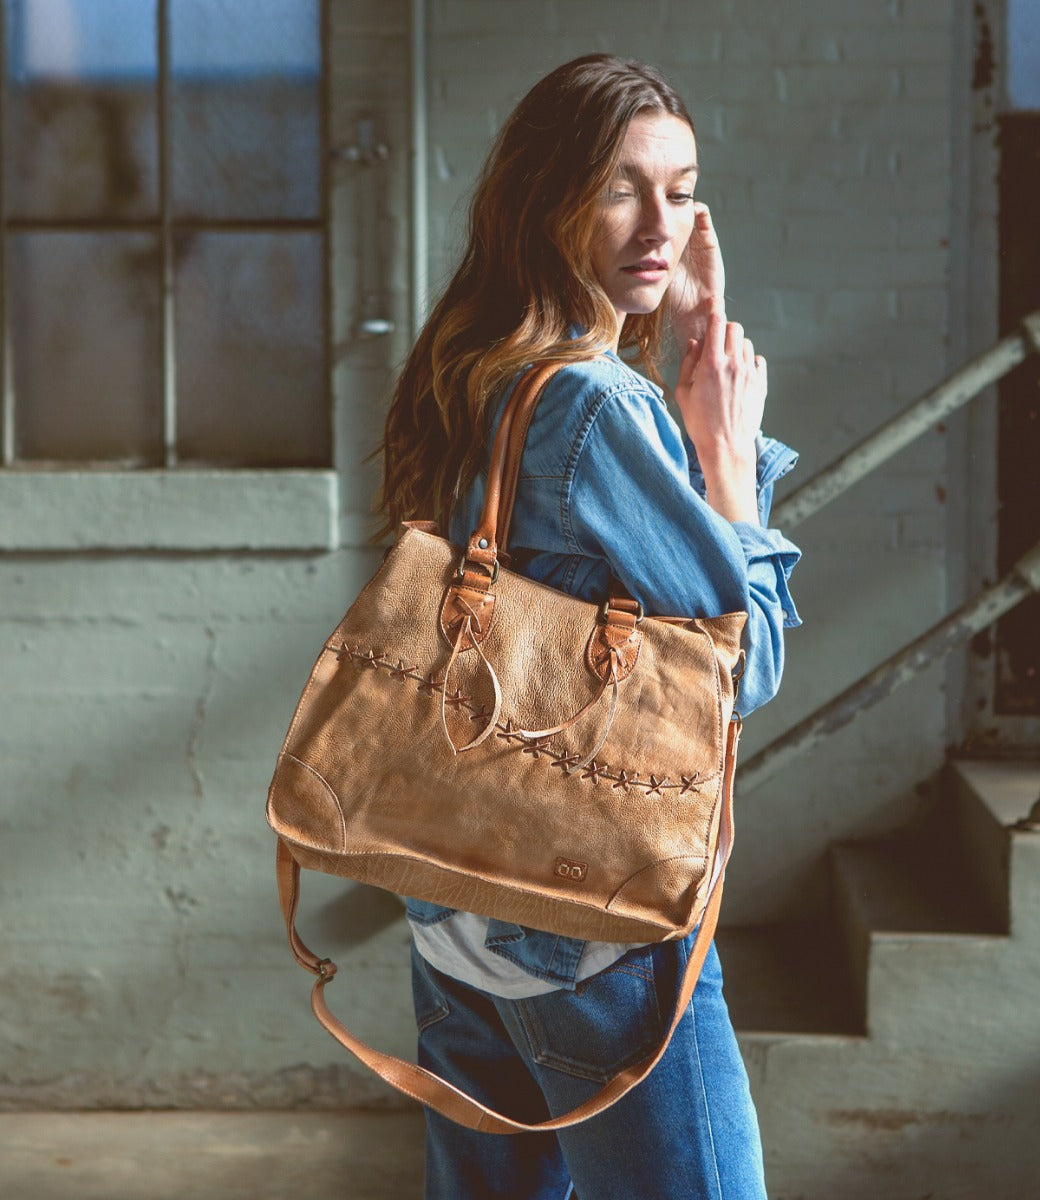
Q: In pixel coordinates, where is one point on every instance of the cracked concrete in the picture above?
(199, 720)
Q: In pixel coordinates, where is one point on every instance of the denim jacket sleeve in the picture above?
(635, 498)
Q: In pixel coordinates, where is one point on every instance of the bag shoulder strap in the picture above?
(490, 538)
(444, 1097)
(523, 403)
(521, 408)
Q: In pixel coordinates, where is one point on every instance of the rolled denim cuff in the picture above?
(769, 546)
(774, 461)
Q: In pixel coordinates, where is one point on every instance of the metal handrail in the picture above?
(921, 416)
(1021, 581)
(977, 614)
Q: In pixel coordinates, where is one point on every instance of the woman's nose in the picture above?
(655, 221)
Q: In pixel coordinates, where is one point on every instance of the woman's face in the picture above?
(647, 213)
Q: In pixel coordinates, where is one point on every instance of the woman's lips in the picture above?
(650, 270)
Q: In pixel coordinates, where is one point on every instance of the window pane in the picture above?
(246, 108)
(250, 337)
(1023, 54)
(84, 313)
(81, 108)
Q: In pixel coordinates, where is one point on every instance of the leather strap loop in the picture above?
(467, 637)
(444, 1097)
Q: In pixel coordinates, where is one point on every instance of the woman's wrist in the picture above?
(720, 457)
(731, 485)
(735, 504)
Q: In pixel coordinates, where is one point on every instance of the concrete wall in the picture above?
(145, 695)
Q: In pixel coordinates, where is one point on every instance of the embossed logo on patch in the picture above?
(567, 868)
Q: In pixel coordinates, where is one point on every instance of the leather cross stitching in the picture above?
(595, 772)
(431, 683)
(536, 748)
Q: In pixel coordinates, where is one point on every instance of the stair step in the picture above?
(787, 979)
(994, 798)
(989, 796)
(912, 883)
(1007, 789)
(916, 883)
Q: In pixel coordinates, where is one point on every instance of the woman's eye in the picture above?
(619, 194)
(681, 197)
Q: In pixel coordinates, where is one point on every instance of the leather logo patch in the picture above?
(567, 868)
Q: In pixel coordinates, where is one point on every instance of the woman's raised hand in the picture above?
(699, 280)
(721, 395)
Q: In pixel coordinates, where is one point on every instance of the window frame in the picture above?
(69, 507)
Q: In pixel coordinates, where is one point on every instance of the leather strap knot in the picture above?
(462, 602)
(616, 641)
(469, 635)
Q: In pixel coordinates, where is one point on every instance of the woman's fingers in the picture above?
(715, 334)
(689, 362)
(702, 223)
(721, 374)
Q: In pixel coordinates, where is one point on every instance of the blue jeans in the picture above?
(688, 1132)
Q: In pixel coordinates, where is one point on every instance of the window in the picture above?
(163, 252)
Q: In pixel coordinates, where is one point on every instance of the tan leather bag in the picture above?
(474, 738)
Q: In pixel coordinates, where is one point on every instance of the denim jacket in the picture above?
(610, 484)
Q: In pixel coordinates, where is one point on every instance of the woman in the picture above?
(584, 234)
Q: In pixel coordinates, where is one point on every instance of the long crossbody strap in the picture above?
(452, 1102)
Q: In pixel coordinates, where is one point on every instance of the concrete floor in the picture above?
(210, 1156)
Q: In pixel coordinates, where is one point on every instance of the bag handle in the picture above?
(523, 402)
(450, 1101)
(613, 656)
(489, 539)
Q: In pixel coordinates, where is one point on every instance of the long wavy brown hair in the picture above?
(526, 278)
